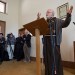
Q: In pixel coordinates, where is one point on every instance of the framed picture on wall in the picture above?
(62, 10)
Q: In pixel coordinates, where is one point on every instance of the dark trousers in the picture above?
(50, 64)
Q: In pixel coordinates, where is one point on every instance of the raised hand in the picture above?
(38, 15)
(70, 10)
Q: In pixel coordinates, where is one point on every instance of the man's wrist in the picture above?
(68, 15)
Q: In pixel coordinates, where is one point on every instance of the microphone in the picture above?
(74, 23)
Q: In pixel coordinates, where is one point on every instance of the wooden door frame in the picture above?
(4, 27)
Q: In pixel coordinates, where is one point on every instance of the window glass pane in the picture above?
(2, 7)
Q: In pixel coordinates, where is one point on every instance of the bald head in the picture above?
(49, 13)
(26, 32)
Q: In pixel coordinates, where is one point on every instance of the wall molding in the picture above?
(67, 64)
(74, 50)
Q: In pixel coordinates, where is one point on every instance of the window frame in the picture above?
(60, 9)
(4, 7)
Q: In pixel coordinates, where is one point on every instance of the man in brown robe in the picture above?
(51, 43)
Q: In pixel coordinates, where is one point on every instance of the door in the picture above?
(2, 27)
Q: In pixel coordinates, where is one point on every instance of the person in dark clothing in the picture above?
(27, 46)
(2, 46)
(52, 41)
(18, 51)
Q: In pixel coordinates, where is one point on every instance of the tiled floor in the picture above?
(22, 68)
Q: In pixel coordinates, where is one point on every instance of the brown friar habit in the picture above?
(50, 66)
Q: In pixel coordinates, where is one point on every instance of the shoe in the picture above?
(0, 62)
(24, 60)
(29, 61)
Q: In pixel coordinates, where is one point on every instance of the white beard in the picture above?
(48, 17)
